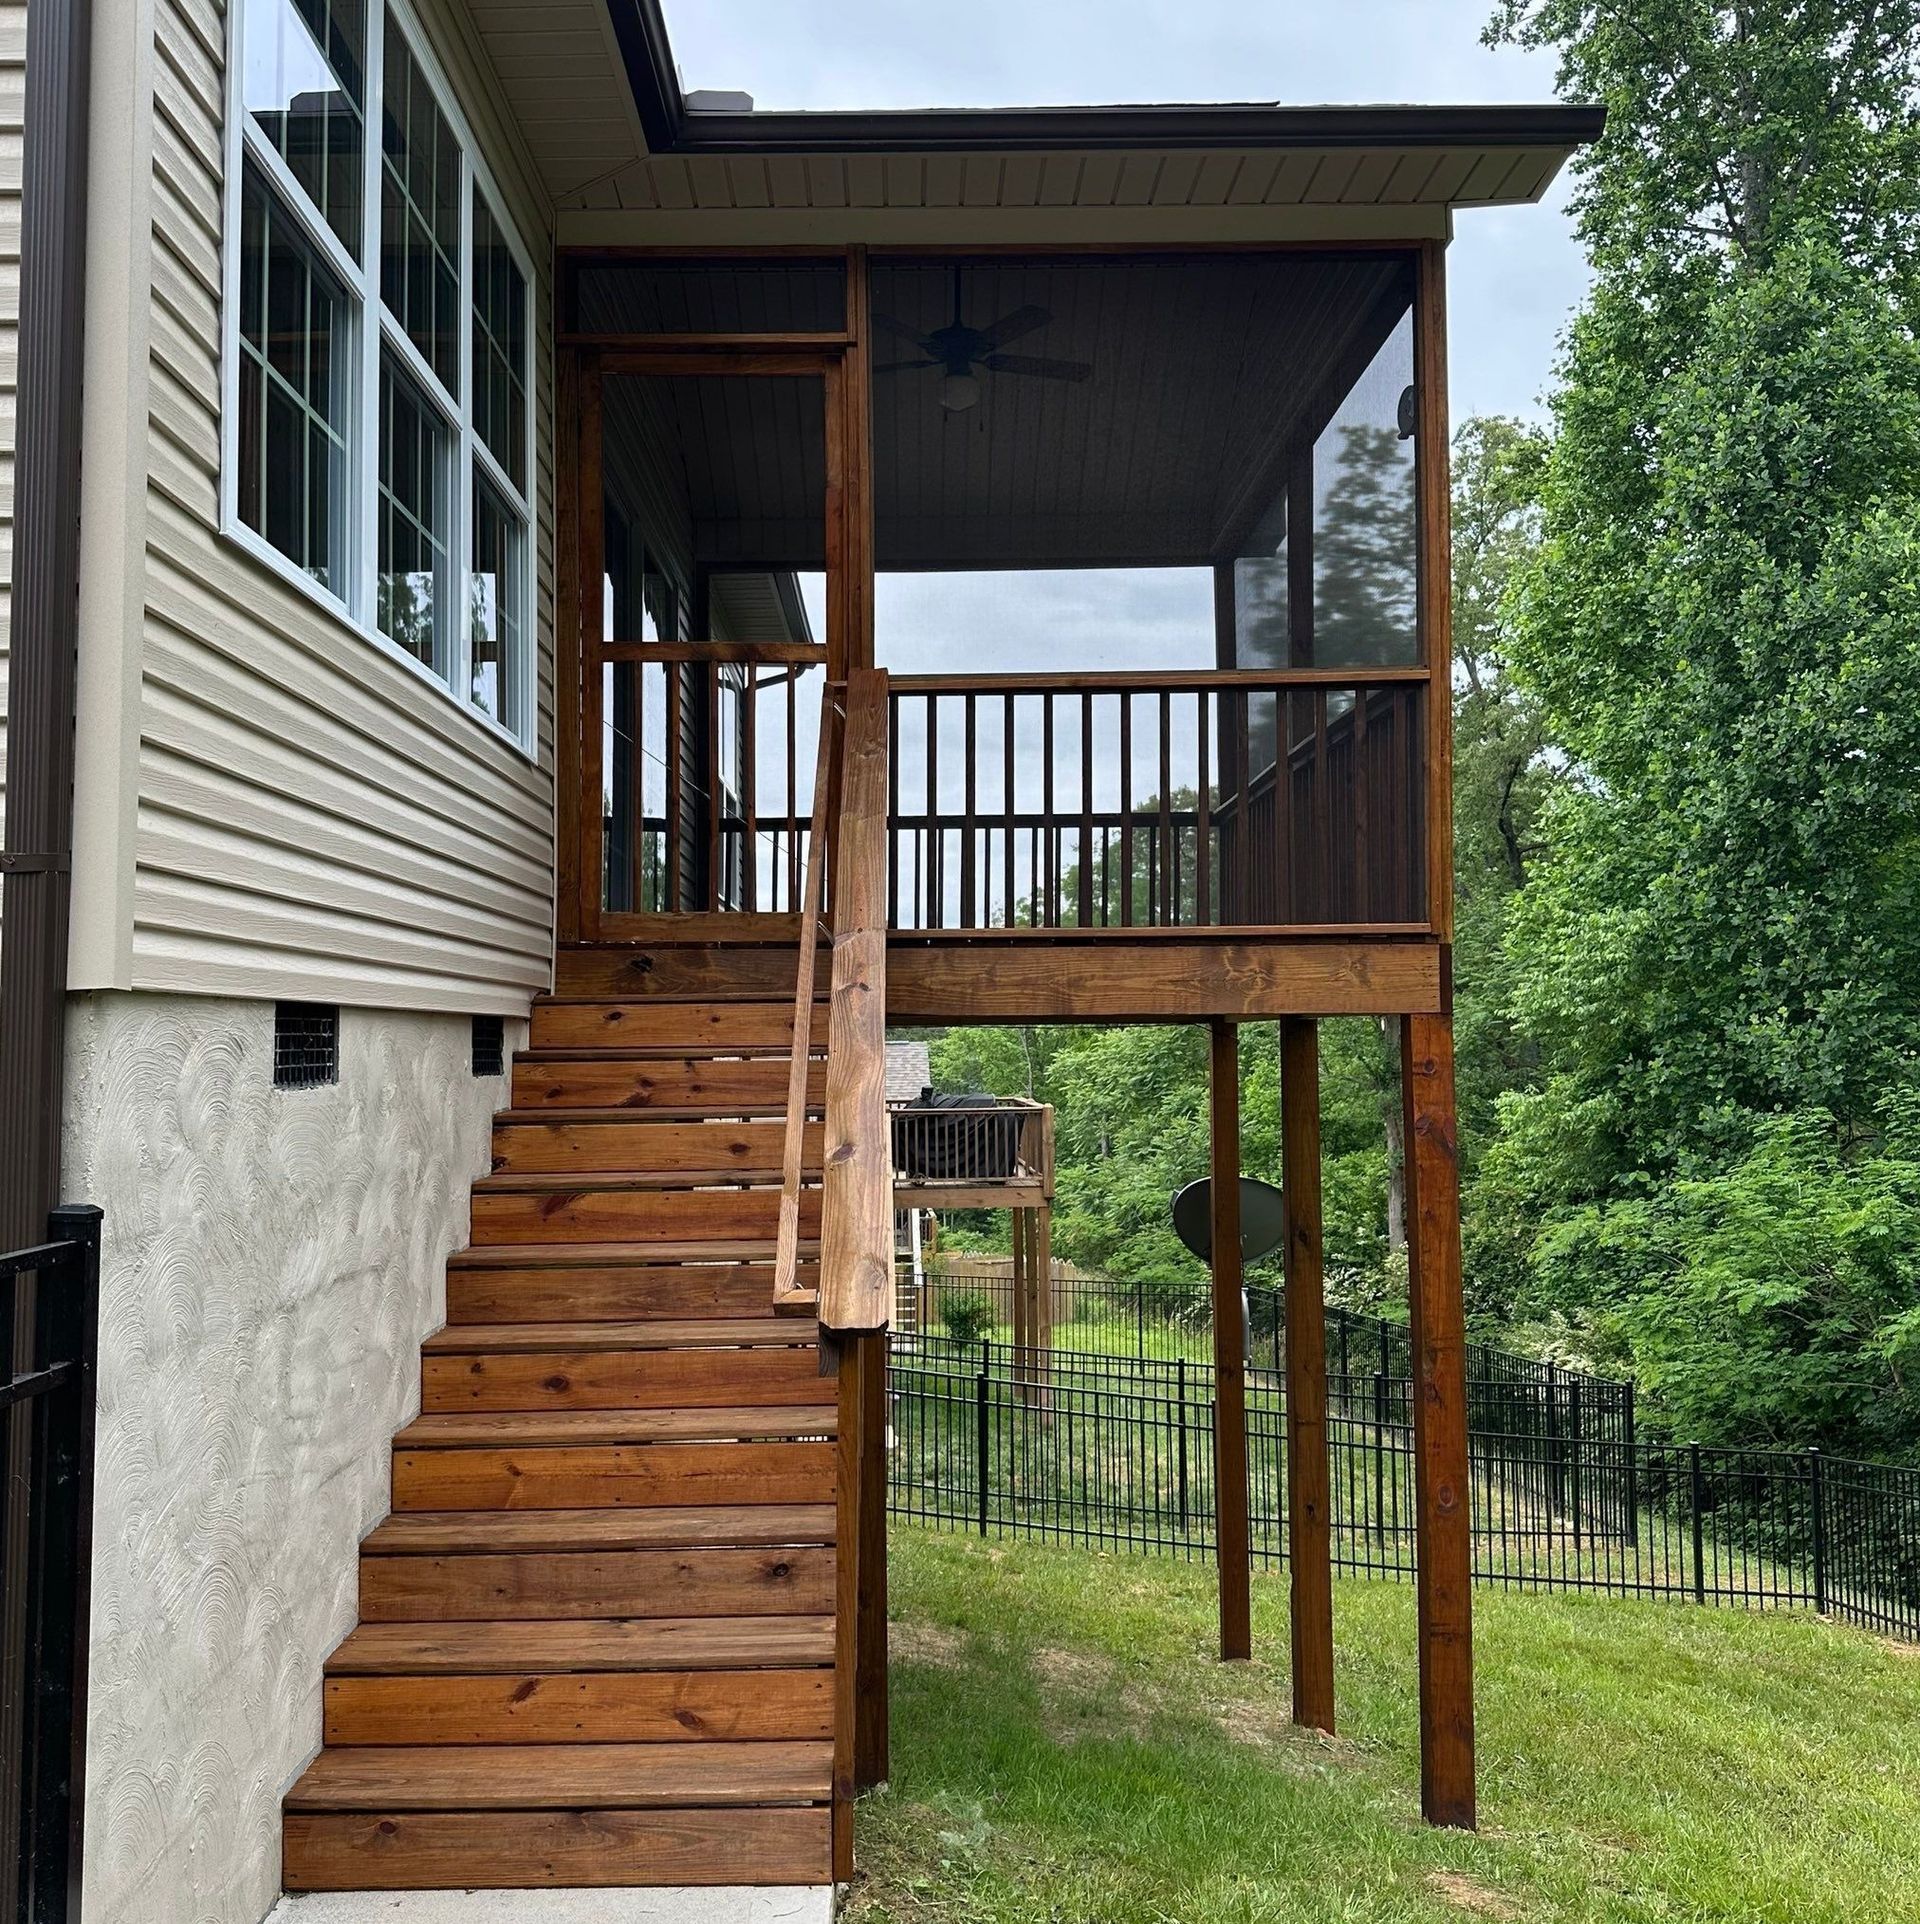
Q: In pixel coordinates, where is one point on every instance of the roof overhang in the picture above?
(671, 127)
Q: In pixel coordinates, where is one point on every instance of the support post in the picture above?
(1017, 1285)
(1309, 1499)
(1441, 1490)
(1042, 1268)
(860, 1585)
(1233, 1530)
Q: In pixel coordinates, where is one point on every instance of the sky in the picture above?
(1514, 274)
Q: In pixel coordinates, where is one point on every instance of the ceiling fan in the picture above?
(958, 350)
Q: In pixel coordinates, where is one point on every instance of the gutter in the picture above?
(36, 863)
(672, 127)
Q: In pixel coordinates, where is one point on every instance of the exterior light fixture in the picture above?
(958, 392)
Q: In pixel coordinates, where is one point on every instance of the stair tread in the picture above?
(586, 1644)
(564, 1776)
(504, 1532)
(549, 1181)
(721, 1332)
(558, 1427)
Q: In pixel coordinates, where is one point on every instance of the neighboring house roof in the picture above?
(909, 1070)
(624, 136)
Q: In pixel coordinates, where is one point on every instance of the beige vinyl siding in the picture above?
(13, 86)
(313, 818)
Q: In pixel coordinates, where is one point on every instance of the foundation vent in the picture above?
(489, 1045)
(306, 1044)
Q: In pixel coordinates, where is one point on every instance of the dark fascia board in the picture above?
(671, 127)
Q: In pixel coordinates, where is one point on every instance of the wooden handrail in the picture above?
(786, 1260)
(1172, 681)
(856, 1227)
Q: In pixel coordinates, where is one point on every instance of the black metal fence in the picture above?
(49, 1318)
(1118, 1453)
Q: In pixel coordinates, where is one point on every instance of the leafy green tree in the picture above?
(1721, 625)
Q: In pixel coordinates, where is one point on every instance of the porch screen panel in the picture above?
(1154, 479)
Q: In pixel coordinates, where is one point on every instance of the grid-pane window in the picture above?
(497, 643)
(499, 345)
(415, 457)
(366, 277)
(419, 211)
(294, 378)
(303, 84)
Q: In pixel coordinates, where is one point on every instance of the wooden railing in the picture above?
(1052, 801)
(856, 1221)
(702, 764)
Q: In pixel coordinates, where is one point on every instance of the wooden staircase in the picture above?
(597, 1640)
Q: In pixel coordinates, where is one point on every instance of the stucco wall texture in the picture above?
(272, 1259)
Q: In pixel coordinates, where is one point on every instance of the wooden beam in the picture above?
(870, 1758)
(954, 980)
(1309, 1500)
(1441, 1489)
(1233, 1522)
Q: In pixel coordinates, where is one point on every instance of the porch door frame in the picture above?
(839, 363)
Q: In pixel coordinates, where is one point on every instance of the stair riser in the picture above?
(662, 1707)
(691, 1026)
(599, 1293)
(663, 1148)
(611, 1476)
(634, 1583)
(620, 1380)
(636, 1216)
(706, 1083)
(763, 973)
(528, 1850)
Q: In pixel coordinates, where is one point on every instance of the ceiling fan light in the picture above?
(958, 392)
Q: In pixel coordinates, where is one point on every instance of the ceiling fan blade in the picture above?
(1038, 364)
(899, 329)
(1012, 327)
(901, 367)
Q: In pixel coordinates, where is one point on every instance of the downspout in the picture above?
(36, 862)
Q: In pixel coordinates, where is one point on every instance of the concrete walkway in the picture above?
(787, 1905)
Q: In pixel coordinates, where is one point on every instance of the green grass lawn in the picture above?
(1067, 1750)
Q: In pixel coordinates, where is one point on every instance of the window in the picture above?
(378, 411)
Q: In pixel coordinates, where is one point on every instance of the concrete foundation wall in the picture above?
(272, 1259)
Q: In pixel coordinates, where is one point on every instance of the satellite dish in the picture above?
(1263, 1218)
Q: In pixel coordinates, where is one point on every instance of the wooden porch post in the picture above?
(1445, 1548)
(1017, 1288)
(1232, 1524)
(1309, 1539)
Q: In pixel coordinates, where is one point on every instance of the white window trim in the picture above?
(371, 331)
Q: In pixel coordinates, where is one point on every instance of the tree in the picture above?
(1721, 625)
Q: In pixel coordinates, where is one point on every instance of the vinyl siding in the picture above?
(13, 84)
(313, 818)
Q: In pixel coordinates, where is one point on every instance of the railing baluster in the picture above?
(1049, 826)
(1083, 911)
(715, 788)
(1358, 760)
(1322, 843)
(967, 920)
(749, 781)
(1285, 890)
(1126, 810)
(793, 789)
(1169, 907)
(1202, 822)
(671, 893)
(1243, 813)
(1011, 853)
(893, 812)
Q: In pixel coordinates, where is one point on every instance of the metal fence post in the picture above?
(1817, 1485)
(1697, 1488)
(981, 1389)
(1380, 1454)
(1630, 1523)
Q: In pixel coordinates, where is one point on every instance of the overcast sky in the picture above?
(1514, 274)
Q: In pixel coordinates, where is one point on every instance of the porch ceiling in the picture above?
(592, 85)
